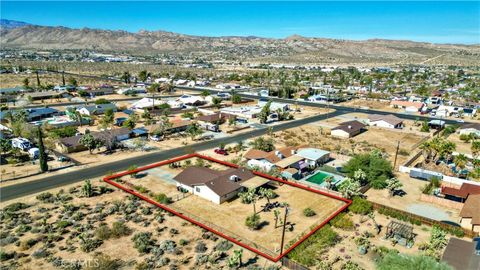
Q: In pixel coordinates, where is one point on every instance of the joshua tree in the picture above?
(87, 189)
(236, 259)
(393, 184)
(276, 213)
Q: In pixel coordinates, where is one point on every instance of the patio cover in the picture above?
(288, 161)
(254, 182)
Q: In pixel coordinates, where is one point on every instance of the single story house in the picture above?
(436, 124)
(96, 109)
(45, 94)
(470, 128)
(12, 90)
(409, 106)
(462, 254)
(217, 186)
(462, 193)
(176, 126)
(348, 129)
(215, 118)
(246, 112)
(72, 144)
(313, 156)
(191, 100)
(470, 213)
(34, 114)
(101, 91)
(385, 121)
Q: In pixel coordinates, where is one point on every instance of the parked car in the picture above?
(155, 138)
(221, 151)
(34, 152)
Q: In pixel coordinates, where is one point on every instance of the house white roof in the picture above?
(312, 153)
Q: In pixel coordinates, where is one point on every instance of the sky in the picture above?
(431, 21)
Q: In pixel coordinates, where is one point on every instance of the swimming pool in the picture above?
(320, 176)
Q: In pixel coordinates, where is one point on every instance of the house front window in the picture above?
(197, 189)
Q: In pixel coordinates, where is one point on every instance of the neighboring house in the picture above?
(469, 112)
(313, 156)
(100, 91)
(462, 254)
(246, 112)
(177, 126)
(12, 90)
(132, 90)
(470, 128)
(34, 114)
(385, 121)
(470, 214)
(436, 124)
(96, 109)
(216, 118)
(45, 95)
(217, 186)
(409, 106)
(462, 193)
(348, 129)
(72, 144)
(446, 111)
(191, 100)
(274, 106)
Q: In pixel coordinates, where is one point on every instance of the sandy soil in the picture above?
(230, 216)
(121, 248)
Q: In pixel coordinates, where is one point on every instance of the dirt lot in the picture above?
(410, 200)
(66, 250)
(230, 216)
(316, 135)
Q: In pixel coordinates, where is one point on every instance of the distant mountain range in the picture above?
(9, 24)
(293, 49)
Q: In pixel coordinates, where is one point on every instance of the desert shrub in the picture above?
(398, 215)
(104, 262)
(253, 222)
(88, 244)
(27, 244)
(223, 245)
(343, 221)
(308, 212)
(405, 261)
(103, 232)
(63, 224)
(306, 253)
(46, 197)
(14, 207)
(5, 256)
(200, 247)
(119, 229)
(23, 228)
(360, 206)
(183, 242)
(162, 198)
(350, 265)
(142, 242)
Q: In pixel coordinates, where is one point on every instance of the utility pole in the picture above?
(396, 154)
(283, 229)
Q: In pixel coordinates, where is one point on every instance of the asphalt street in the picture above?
(54, 181)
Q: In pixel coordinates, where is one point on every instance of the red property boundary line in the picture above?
(110, 180)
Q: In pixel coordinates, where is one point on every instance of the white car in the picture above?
(155, 138)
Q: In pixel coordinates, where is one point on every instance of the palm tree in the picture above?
(152, 89)
(475, 148)
(426, 148)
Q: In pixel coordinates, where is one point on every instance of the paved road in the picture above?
(339, 108)
(49, 182)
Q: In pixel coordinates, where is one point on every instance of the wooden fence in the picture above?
(425, 220)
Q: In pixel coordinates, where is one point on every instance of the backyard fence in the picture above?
(290, 264)
(424, 220)
(441, 201)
